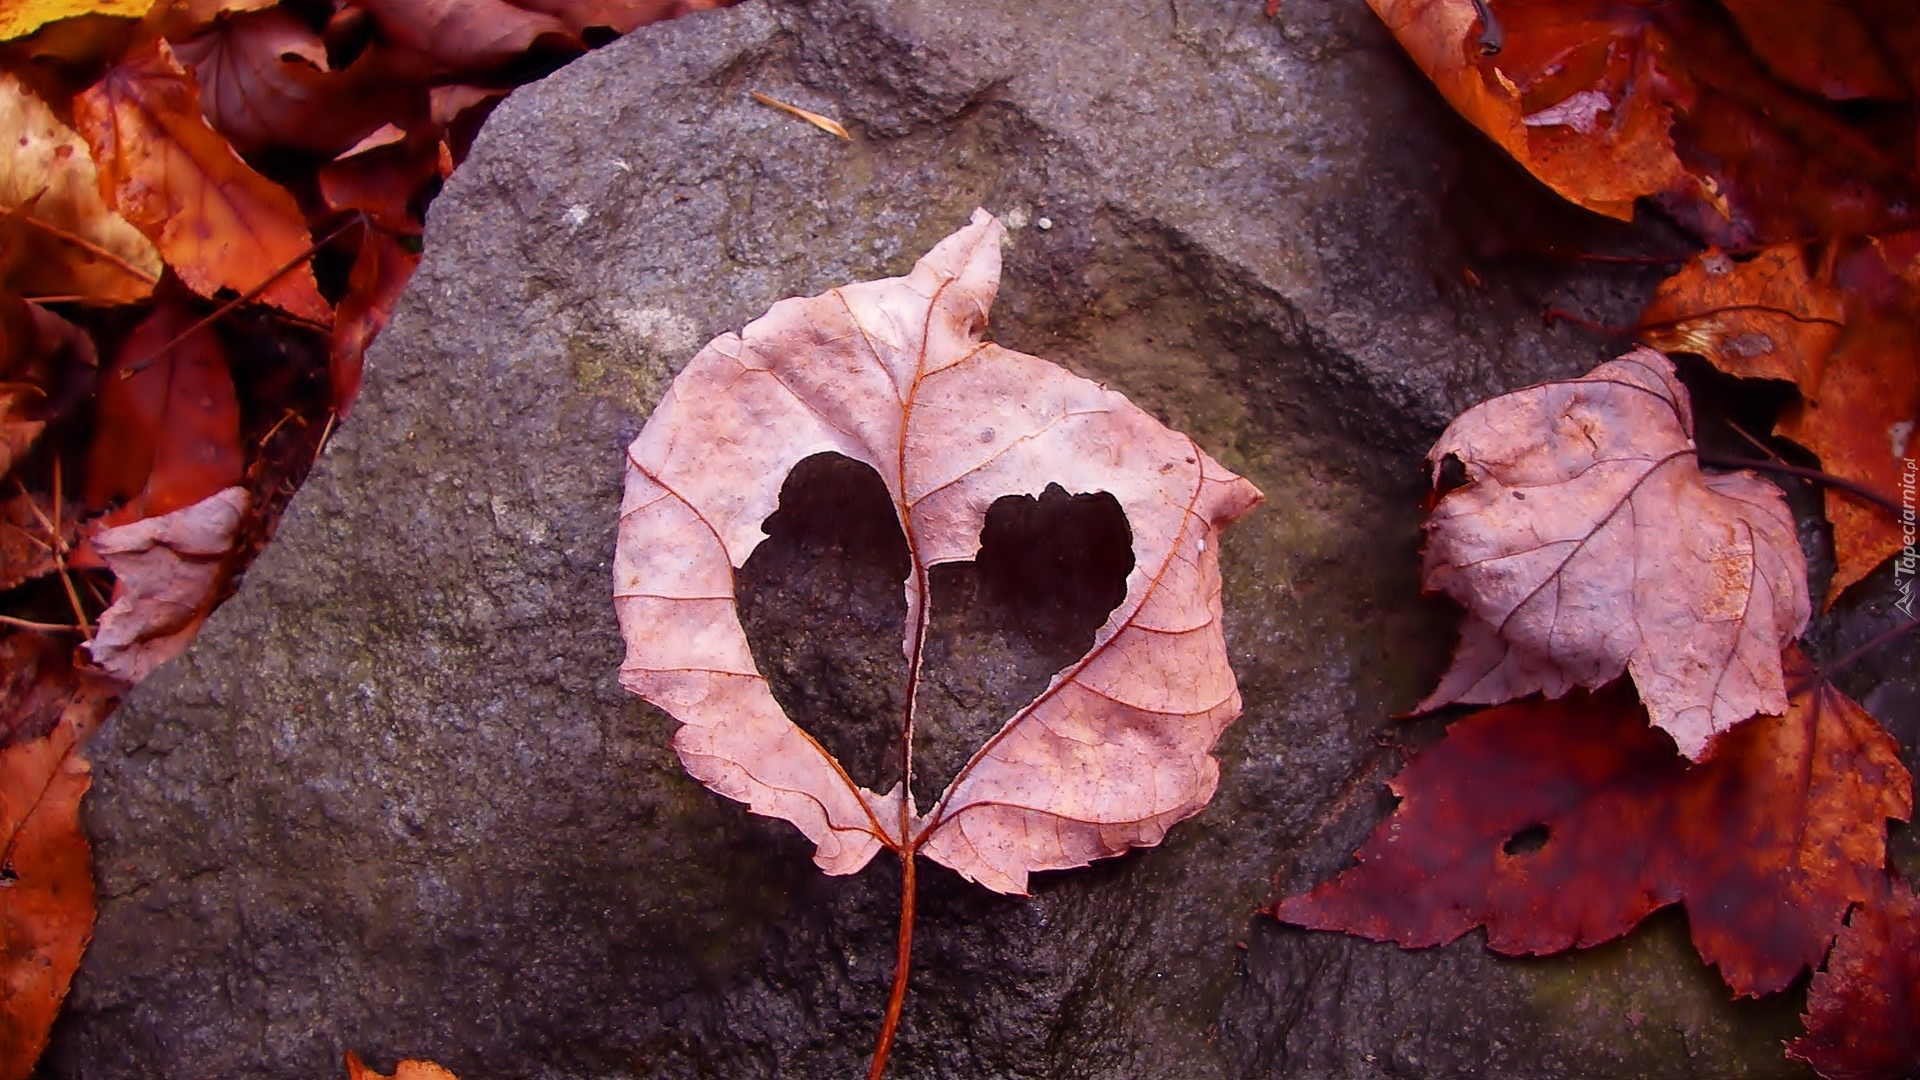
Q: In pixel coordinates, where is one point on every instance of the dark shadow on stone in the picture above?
(823, 603)
(1050, 571)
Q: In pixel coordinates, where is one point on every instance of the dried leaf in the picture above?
(380, 272)
(469, 35)
(1850, 347)
(1766, 318)
(1860, 424)
(1587, 541)
(264, 82)
(893, 373)
(80, 247)
(406, 1070)
(1600, 146)
(1562, 824)
(218, 224)
(26, 551)
(167, 570)
(1863, 1011)
(169, 418)
(46, 909)
(21, 17)
(1827, 49)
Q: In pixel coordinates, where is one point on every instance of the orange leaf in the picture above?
(169, 432)
(1601, 145)
(218, 224)
(46, 906)
(1587, 541)
(1860, 423)
(894, 374)
(380, 272)
(1562, 824)
(406, 1070)
(1765, 318)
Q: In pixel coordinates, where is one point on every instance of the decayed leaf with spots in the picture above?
(1586, 541)
(1863, 1011)
(894, 373)
(218, 223)
(1562, 824)
(73, 243)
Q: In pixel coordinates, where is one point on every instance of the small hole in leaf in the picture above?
(823, 604)
(1452, 475)
(1527, 840)
(8, 876)
(1049, 572)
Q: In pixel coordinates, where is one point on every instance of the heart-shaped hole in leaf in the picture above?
(894, 374)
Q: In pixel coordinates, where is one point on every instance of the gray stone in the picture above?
(394, 800)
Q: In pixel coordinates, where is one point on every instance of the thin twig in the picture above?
(1851, 487)
(824, 123)
(44, 627)
(1853, 656)
(60, 556)
(250, 296)
(90, 247)
(1757, 444)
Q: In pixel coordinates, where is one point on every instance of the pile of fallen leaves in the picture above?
(1577, 526)
(207, 210)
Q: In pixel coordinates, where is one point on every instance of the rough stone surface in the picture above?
(394, 800)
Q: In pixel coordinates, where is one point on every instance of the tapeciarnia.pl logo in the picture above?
(1908, 562)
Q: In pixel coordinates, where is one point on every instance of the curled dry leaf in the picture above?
(46, 910)
(264, 82)
(1863, 1011)
(894, 374)
(468, 35)
(1587, 541)
(219, 224)
(1562, 824)
(406, 1070)
(1601, 146)
(167, 569)
(74, 244)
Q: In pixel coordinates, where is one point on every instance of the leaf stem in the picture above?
(1853, 655)
(902, 957)
(1851, 487)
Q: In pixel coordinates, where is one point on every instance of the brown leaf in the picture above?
(1863, 1011)
(168, 434)
(167, 570)
(218, 224)
(1562, 824)
(1765, 318)
(406, 1070)
(1860, 424)
(264, 82)
(1600, 145)
(26, 551)
(46, 905)
(37, 680)
(1827, 49)
(893, 373)
(380, 272)
(619, 16)
(1848, 343)
(1587, 541)
(468, 35)
(75, 245)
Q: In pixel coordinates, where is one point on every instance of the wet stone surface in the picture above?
(394, 799)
